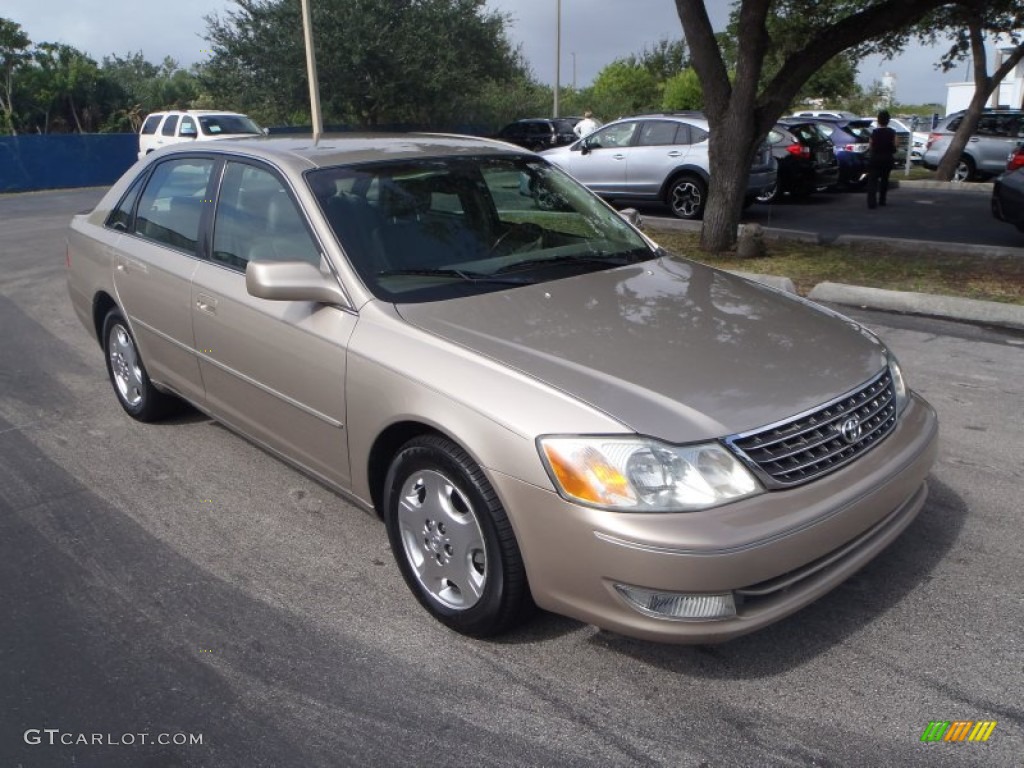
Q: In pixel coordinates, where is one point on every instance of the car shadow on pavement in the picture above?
(832, 620)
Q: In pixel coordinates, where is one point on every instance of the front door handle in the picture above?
(675, 153)
(206, 303)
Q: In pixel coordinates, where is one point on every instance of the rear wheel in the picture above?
(769, 195)
(687, 197)
(136, 393)
(964, 170)
(452, 539)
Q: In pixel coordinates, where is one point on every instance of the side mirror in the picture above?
(291, 281)
(632, 215)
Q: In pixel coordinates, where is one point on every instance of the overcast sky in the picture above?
(597, 31)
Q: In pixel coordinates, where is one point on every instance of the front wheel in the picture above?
(686, 197)
(452, 539)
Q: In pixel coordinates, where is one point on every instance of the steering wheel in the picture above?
(527, 230)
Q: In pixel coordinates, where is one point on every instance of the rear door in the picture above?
(154, 264)
(995, 138)
(661, 147)
(275, 370)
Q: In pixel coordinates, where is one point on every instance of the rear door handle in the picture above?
(675, 153)
(206, 303)
(619, 156)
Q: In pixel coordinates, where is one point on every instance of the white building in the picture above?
(1010, 92)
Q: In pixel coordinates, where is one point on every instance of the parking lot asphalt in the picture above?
(934, 216)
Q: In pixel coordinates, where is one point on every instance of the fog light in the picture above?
(674, 605)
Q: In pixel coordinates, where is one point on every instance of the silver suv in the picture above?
(997, 135)
(654, 158)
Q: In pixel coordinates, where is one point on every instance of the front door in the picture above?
(275, 370)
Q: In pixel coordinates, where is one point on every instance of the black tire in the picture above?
(770, 195)
(965, 169)
(135, 392)
(687, 196)
(459, 554)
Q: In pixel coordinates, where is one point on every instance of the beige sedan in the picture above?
(544, 407)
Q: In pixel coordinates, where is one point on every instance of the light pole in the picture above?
(314, 85)
(558, 53)
(574, 71)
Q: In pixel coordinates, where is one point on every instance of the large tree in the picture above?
(14, 53)
(380, 61)
(968, 25)
(742, 109)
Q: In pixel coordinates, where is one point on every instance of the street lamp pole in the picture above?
(558, 54)
(314, 85)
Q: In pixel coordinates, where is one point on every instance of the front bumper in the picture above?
(775, 552)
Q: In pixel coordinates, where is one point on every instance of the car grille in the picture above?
(816, 443)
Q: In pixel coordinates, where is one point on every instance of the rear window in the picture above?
(151, 123)
(213, 125)
(805, 134)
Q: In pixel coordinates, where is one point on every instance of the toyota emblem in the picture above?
(850, 429)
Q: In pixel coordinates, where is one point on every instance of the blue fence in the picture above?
(56, 161)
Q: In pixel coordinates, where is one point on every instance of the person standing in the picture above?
(881, 154)
(587, 125)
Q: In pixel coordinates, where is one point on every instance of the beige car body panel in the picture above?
(668, 349)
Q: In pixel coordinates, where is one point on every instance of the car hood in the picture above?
(669, 348)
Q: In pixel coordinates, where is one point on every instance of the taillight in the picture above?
(1016, 160)
(932, 138)
(799, 150)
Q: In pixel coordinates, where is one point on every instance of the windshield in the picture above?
(440, 228)
(215, 125)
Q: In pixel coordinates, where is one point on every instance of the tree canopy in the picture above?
(380, 62)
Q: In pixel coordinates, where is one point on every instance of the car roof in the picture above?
(692, 118)
(303, 152)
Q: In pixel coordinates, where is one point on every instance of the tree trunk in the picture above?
(730, 163)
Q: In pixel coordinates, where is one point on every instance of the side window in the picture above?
(121, 217)
(172, 204)
(953, 124)
(657, 133)
(151, 123)
(257, 220)
(618, 135)
(697, 135)
(169, 125)
(988, 125)
(188, 126)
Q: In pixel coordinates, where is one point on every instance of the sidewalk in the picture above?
(989, 313)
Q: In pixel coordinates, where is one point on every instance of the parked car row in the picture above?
(664, 157)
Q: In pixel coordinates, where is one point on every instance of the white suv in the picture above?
(655, 158)
(164, 128)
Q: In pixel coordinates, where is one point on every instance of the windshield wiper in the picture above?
(604, 259)
(469, 277)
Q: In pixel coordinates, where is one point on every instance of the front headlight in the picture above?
(899, 385)
(644, 475)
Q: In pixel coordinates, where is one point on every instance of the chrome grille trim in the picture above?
(812, 444)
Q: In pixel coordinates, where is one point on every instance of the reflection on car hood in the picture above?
(671, 348)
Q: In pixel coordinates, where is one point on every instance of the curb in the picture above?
(950, 307)
(970, 187)
(990, 313)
